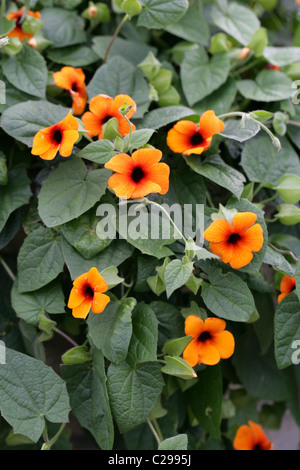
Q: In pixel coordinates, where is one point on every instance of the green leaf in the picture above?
(40, 260)
(282, 56)
(288, 214)
(73, 56)
(176, 346)
(134, 392)
(157, 14)
(213, 73)
(268, 86)
(240, 130)
(62, 27)
(179, 442)
(278, 261)
(132, 51)
(30, 305)
(264, 164)
(23, 120)
(217, 171)
(258, 42)
(27, 71)
(161, 117)
(178, 367)
(14, 194)
(286, 330)
(121, 77)
(69, 191)
(89, 399)
(143, 343)
(176, 275)
(138, 139)
(227, 296)
(236, 20)
(100, 151)
(205, 399)
(111, 276)
(192, 26)
(220, 100)
(111, 331)
(81, 234)
(117, 252)
(30, 393)
(170, 321)
(289, 188)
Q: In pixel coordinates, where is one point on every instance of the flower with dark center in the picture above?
(188, 137)
(210, 341)
(88, 294)
(235, 243)
(287, 285)
(73, 80)
(251, 437)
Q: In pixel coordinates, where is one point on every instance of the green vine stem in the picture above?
(49, 443)
(119, 27)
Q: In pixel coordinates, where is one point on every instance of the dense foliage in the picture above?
(127, 108)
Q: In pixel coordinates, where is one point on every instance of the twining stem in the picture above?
(7, 269)
(169, 217)
(293, 123)
(49, 443)
(124, 19)
(275, 140)
(287, 252)
(3, 7)
(155, 430)
(64, 335)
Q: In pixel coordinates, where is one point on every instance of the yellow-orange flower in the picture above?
(102, 109)
(210, 343)
(188, 138)
(87, 294)
(73, 80)
(138, 175)
(287, 285)
(18, 32)
(59, 137)
(234, 243)
(251, 437)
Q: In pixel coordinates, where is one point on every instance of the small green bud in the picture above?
(131, 7)
(77, 355)
(288, 214)
(13, 47)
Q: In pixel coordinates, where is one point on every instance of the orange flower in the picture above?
(73, 80)
(210, 343)
(287, 285)
(272, 67)
(251, 437)
(138, 175)
(102, 109)
(235, 243)
(87, 294)
(60, 137)
(188, 138)
(18, 32)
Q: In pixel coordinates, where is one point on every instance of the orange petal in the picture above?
(124, 127)
(224, 343)
(200, 149)
(208, 354)
(81, 281)
(99, 302)
(79, 102)
(223, 250)
(122, 185)
(194, 326)
(96, 281)
(93, 124)
(214, 325)
(51, 153)
(253, 238)
(68, 123)
(260, 436)
(244, 439)
(144, 188)
(146, 158)
(218, 231)
(41, 142)
(67, 143)
(159, 174)
(101, 105)
(121, 163)
(287, 284)
(281, 296)
(64, 78)
(119, 101)
(242, 221)
(210, 124)
(178, 142)
(76, 298)
(83, 309)
(190, 354)
(241, 256)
